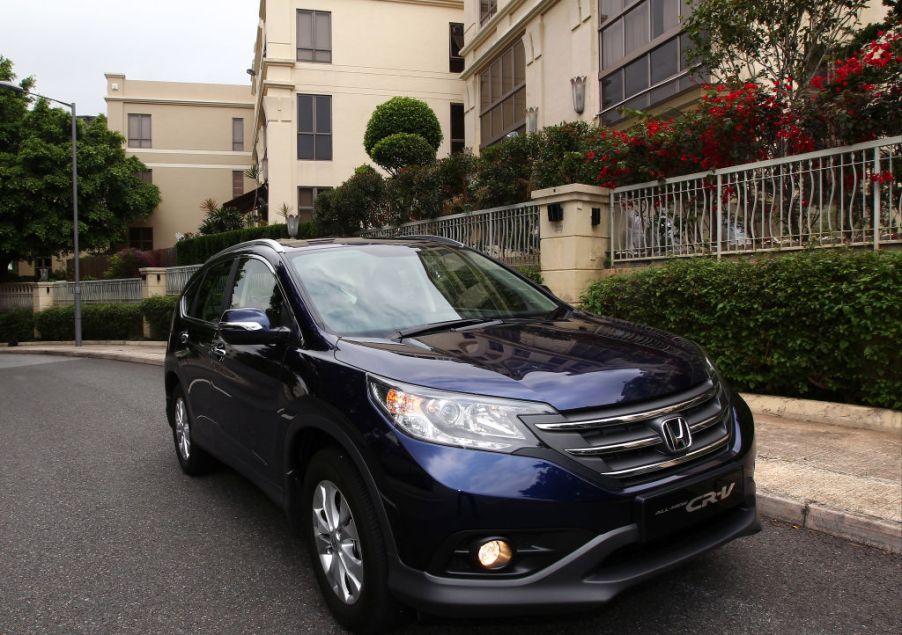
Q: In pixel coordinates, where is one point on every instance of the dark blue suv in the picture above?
(449, 436)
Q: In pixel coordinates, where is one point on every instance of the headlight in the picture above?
(457, 419)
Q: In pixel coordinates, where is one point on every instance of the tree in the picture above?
(36, 182)
(402, 131)
(776, 42)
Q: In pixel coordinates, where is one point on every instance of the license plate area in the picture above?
(669, 512)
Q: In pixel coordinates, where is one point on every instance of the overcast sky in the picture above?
(67, 45)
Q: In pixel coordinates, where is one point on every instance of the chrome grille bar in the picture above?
(678, 460)
(632, 417)
(635, 444)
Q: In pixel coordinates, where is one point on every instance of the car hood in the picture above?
(573, 363)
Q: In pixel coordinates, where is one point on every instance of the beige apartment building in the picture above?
(320, 69)
(536, 63)
(195, 140)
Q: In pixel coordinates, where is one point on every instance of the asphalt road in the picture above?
(101, 533)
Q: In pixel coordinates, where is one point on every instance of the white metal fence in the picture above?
(16, 295)
(841, 196)
(510, 233)
(177, 278)
(122, 291)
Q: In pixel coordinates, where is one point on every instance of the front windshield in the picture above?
(377, 290)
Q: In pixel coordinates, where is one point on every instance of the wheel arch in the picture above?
(303, 442)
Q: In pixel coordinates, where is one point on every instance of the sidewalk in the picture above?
(839, 472)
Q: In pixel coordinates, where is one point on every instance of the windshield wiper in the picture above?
(435, 327)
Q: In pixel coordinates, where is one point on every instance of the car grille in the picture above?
(627, 442)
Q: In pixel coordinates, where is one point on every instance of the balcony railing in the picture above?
(509, 234)
(842, 196)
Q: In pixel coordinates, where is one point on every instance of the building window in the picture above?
(487, 8)
(643, 54)
(455, 43)
(237, 183)
(306, 199)
(141, 238)
(457, 128)
(502, 93)
(314, 33)
(315, 127)
(139, 131)
(146, 176)
(238, 134)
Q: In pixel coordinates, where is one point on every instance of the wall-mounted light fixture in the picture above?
(555, 212)
(532, 119)
(578, 88)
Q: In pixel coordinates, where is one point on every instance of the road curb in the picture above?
(828, 412)
(865, 530)
(118, 356)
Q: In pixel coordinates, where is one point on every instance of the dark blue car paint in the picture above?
(312, 384)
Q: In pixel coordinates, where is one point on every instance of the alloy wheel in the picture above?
(337, 542)
(182, 429)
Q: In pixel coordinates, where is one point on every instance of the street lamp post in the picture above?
(76, 292)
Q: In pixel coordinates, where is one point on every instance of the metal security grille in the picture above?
(509, 234)
(843, 196)
(16, 295)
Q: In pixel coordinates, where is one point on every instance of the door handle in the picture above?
(183, 337)
(217, 349)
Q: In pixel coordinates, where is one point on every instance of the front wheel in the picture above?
(346, 545)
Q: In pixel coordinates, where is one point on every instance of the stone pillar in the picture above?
(574, 251)
(42, 298)
(153, 281)
(153, 284)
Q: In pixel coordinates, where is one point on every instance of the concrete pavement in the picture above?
(829, 467)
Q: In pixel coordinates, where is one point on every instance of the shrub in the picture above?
(16, 325)
(354, 204)
(559, 154)
(821, 325)
(196, 250)
(503, 173)
(127, 262)
(402, 114)
(219, 219)
(98, 322)
(402, 149)
(158, 313)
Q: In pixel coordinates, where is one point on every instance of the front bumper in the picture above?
(593, 574)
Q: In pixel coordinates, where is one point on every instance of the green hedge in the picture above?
(819, 325)
(158, 313)
(16, 325)
(98, 322)
(194, 251)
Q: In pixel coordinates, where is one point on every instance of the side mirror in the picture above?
(246, 326)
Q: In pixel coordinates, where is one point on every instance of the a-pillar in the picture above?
(574, 226)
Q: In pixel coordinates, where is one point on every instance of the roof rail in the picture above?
(263, 242)
(438, 239)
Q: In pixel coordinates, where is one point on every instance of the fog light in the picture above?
(494, 554)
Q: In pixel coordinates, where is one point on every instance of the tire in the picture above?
(192, 458)
(354, 583)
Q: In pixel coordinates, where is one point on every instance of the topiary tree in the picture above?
(402, 149)
(402, 115)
